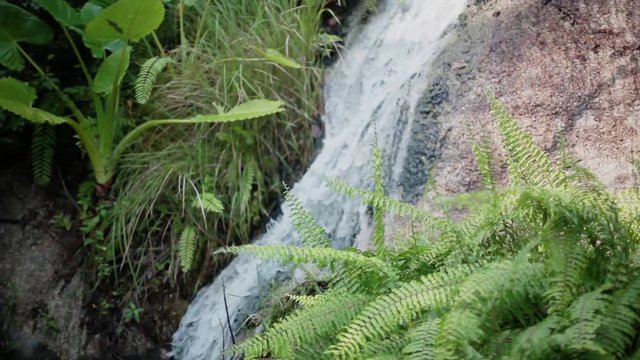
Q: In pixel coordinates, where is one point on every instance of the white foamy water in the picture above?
(376, 83)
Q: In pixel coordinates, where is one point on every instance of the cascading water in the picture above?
(377, 83)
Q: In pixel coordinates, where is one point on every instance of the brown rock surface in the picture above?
(561, 66)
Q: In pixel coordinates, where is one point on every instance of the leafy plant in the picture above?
(42, 150)
(543, 269)
(132, 313)
(109, 30)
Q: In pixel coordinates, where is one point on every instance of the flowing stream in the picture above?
(373, 88)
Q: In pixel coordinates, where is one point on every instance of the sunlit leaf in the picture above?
(278, 58)
(126, 20)
(111, 71)
(17, 97)
(209, 202)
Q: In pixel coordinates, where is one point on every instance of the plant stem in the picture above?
(158, 44)
(96, 100)
(103, 171)
(201, 24)
(72, 106)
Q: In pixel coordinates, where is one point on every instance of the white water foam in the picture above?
(378, 80)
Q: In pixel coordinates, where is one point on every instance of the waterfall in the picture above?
(376, 83)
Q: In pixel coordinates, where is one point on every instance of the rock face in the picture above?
(567, 70)
(41, 302)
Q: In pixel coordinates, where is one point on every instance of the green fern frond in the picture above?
(403, 304)
(585, 316)
(622, 317)
(305, 225)
(42, 149)
(390, 205)
(536, 341)
(528, 164)
(319, 256)
(246, 181)
(187, 248)
(485, 159)
(305, 326)
(209, 203)
(378, 238)
(422, 340)
(567, 262)
(457, 330)
(147, 77)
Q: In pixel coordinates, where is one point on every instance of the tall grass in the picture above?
(220, 62)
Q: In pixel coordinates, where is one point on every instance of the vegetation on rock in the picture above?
(542, 269)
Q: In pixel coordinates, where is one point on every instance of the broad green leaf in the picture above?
(208, 202)
(89, 12)
(18, 25)
(126, 20)
(17, 97)
(61, 11)
(17, 91)
(278, 58)
(111, 71)
(256, 108)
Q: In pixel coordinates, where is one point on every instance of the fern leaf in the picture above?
(536, 341)
(187, 248)
(319, 256)
(422, 341)
(246, 182)
(586, 315)
(384, 315)
(390, 205)
(528, 164)
(147, 77)
(378, 238)
(567, 263)
(208, 202)
(305, 225)
(620, 323)
(484, 157)
(457, 329)
(305, 326)
(42, 150)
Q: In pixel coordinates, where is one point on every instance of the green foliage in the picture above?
(187, 248)
(544, 269)
(42, 150)
(226, 52)
(147, 77)
(110, 29)
(19, 26)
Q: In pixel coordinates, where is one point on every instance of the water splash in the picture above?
(378, 80)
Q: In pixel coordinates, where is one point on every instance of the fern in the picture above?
(422, 340)
(208, 202)
(147, 77)
(305, 326)
(378, 238)
(319, 256)
(187, 248)
(544, 269)
(42, 150)
(303, 222)
(403, 304)
(528, 164)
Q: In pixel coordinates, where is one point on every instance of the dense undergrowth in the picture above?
(178, 193)
(545, 268)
